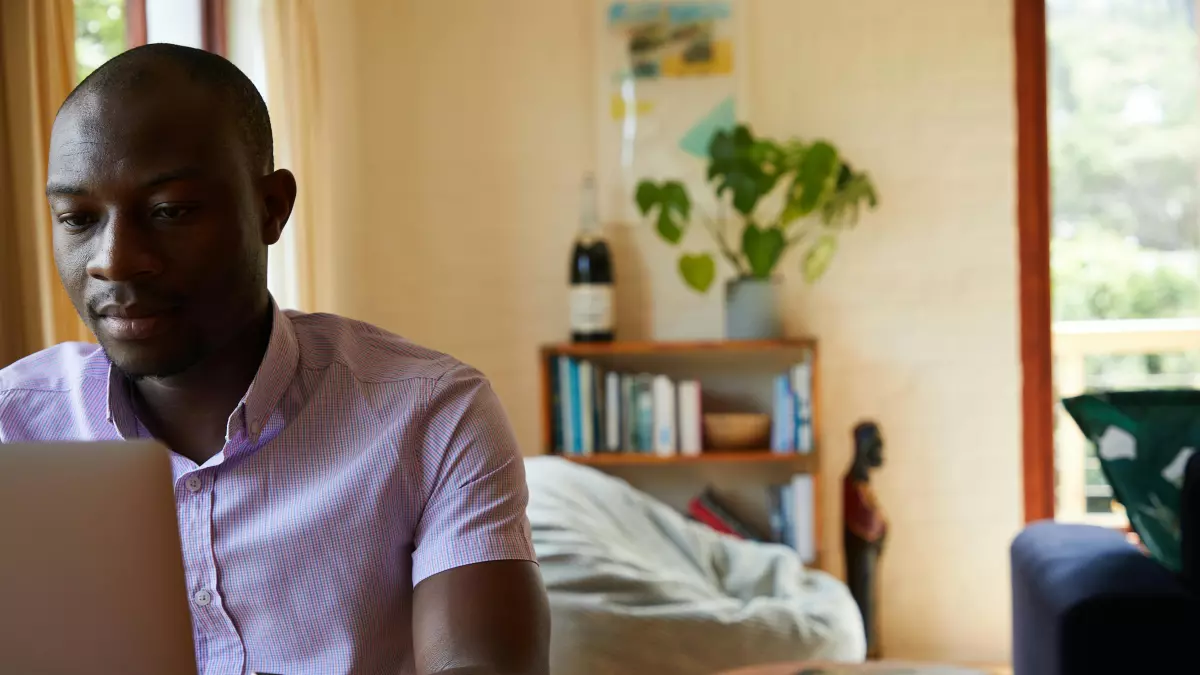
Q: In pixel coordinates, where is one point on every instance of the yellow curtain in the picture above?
(294, 96)
(37, 66)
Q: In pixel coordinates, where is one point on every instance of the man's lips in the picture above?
(133, 322)
(143, 328)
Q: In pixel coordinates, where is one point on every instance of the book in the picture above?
(802, 390)
(690, 415)
(627, 413)
(787, 508)
(709, 503)
(775, 515)
(783, 416)
(587, 392)
(557, 444)
(665, 444)
(803, 523)
(643, 403)
(612, 412)
(599, 405)
(575, 414)
(702, 514)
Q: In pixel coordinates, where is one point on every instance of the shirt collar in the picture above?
(274, 376)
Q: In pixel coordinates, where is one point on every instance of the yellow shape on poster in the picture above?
(620, 108)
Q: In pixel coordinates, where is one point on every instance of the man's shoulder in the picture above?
(59, 368)
(371, 354)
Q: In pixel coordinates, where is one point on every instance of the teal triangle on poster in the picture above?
(695, 141)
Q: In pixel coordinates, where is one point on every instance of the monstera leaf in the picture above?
(672, 203)
(818, 257)
(841, 209)
(762, 247)
(744, 166)
(815, 179)
(698, 271)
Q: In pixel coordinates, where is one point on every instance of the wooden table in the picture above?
(872, 668)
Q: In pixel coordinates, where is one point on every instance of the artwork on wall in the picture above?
(668, 75)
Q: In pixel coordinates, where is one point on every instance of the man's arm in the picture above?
(479, 607)
(484, 619)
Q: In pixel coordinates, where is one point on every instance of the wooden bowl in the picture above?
(737, 431)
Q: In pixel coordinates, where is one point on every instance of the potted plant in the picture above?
(820, 195)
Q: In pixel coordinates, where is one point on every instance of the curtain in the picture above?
(294, 96)
(37, 67)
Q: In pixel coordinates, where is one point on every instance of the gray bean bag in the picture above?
(637, 588)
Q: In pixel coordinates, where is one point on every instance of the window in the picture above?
(100, 33)
(1123, 89)
(105, 28)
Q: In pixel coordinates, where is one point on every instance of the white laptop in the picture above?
(91, 573)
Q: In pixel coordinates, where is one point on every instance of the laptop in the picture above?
(91, 572)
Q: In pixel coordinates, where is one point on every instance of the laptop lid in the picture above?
(91, 572)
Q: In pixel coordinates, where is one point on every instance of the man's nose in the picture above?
(127, 251)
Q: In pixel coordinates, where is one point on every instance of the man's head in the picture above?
(164, 202)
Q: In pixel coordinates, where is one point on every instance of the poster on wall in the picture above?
(668, 76)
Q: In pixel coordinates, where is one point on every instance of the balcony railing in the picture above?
(1074, 342)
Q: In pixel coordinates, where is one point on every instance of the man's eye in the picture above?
(171, 211)
(77, 221)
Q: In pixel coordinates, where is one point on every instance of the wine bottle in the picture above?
(592, 317)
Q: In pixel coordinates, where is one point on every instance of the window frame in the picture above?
(1033, 228)
(214, 26)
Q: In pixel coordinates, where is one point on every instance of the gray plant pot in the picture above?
(752, 309)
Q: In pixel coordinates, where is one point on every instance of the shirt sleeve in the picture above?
(473, 478)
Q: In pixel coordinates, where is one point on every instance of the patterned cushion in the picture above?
(1144, 440)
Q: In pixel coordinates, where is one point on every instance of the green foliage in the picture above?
(99, 33)
(1124, 94)
(1101, 275)
(698, 270)
(818, 192)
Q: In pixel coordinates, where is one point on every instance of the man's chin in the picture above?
(139, 361)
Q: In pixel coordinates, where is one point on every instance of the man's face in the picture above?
(158, 233)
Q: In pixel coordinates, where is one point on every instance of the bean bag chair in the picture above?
(635, 587)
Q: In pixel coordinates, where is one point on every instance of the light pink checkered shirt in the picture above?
(356, 465)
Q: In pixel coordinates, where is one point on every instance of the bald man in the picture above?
(349, 502)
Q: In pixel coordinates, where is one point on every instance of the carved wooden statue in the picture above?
(865, 527)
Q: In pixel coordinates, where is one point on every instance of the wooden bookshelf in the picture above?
(794, 461)
(688, 351)
(735, 376)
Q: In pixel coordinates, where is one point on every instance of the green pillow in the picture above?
(1144, 440)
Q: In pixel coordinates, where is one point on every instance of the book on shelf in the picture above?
(598, 411)
(626, 412)
(587, 395)
(612, 412)
(664, 417)
(690, 433)
(707, 509)
(792, 516)
(643, 413)
(792, 409)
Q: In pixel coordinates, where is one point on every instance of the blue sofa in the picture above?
(1086, 602)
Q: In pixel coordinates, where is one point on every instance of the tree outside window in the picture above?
(99, 33)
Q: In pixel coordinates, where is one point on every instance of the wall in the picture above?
(472, 121)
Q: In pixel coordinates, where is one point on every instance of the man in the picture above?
(348, 502)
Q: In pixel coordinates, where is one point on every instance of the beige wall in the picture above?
(467, 124)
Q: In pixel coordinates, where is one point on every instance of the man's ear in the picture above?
(279, 197)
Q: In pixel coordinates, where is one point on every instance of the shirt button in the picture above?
(194, 484)
(203, 598)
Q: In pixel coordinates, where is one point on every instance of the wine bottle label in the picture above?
(591, 308)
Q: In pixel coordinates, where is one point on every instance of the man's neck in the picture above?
(189, 411)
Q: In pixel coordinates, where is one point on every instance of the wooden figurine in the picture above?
(865, 528)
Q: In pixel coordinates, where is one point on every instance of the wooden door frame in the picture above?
(1033, 226)
(214, 25)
